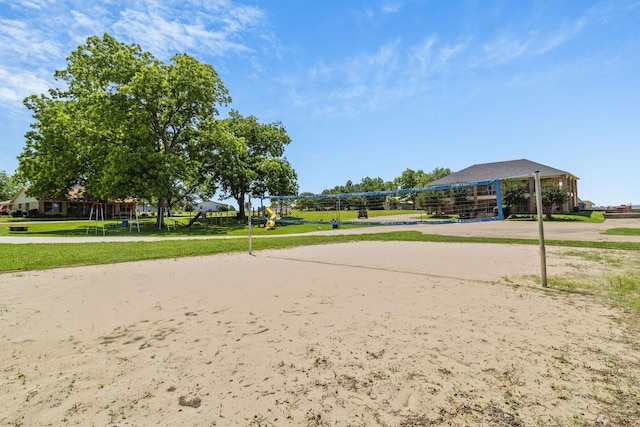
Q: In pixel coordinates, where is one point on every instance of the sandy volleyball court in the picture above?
(358, 334)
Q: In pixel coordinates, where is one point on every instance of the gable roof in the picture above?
(22, 190)
(500, 170)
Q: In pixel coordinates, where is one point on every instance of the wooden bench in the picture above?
(14, 228)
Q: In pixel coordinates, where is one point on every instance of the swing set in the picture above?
(97, 215)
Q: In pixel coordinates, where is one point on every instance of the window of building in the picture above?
(51, 207)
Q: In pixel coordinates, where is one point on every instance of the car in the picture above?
(362, 213)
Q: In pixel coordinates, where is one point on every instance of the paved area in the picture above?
(514, 229)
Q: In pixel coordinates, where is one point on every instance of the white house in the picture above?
(22, 202)
(211, 206)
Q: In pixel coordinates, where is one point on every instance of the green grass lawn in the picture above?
(32, 256)
(623, 231)
(585, 216)
(221, 227)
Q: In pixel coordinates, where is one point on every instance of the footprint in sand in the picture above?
(404, 399)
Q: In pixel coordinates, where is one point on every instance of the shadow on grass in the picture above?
(150, 230)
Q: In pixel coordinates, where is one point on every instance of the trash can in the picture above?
(125, 223)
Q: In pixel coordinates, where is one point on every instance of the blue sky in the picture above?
(371, 88)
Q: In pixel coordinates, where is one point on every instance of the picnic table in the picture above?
(15, 228)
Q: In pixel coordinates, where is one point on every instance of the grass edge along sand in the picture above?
(38, 256)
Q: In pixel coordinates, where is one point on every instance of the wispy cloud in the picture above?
(391, 6)
(510, 44)
(20, 42)
(356, 84)
(427, 58)
(504, 48)
(216, 28)
(29, 4)
(16, 85)
(43, 33)
(367, 82)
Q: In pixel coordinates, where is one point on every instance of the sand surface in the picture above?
(356, 334)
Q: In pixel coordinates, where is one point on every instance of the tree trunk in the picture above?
(240, 201)
(163, 207)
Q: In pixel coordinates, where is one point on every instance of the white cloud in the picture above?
(348, 87)
(215, 28)
(369, 81)
(82, 20)
(510, 44)
(47, 31)
(31, 4)
(420, 57)
(391, 6)
(503, 49)
(427, 59)
(15, 85)
(21, 42)
(562, 35)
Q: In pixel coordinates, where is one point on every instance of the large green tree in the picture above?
(248, 158)
(125, 124)
(410, 179)
(434, 175)
(9, 185)
(514, 193)
(432, 200)
(552, 194)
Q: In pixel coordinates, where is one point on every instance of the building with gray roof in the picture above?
(522, 169)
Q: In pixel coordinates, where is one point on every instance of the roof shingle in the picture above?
(499, 170)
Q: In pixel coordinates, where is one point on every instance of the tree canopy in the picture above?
(249, 158)
(514, 193)
(125, 125)
(9, 185)
(129, 125)
(552, 194)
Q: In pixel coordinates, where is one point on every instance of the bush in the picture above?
(16, 214)
(33, 213)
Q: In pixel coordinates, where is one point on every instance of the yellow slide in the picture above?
(271, 222)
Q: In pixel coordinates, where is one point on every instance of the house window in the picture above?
(52, 208)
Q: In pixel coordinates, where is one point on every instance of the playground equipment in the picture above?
(131, 218)
(164, 216)
(271, 222)
(202, 215)
(97, 214)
